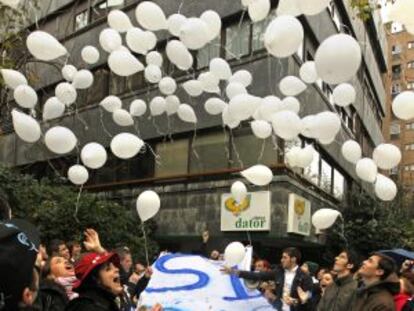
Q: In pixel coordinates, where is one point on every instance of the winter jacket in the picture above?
(93, 299)
(378, 296)
(51, 297)
(278, 276)
(340, 295)
(400, 301)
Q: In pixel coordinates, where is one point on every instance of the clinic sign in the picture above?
(252, 214)
(299, 215)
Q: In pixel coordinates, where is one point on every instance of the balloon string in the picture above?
(225, 142)
(137, 130)
(145, 244)
(75, 215)
(157, 129)
(102, 124)
(235, 150)
(259, 160)
(249, 238)
(85, 125)
(156, 156)
(193, 149)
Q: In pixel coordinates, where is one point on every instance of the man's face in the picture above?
(60, 267)
(126, 262)
(76, 250)
(370, 268)
(341, 263)
(64, 251)
(214, 255)
(287, 261)
(259, 266)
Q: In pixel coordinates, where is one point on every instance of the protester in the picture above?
(380, 284)
(5, 210)
(403, 300)
(321, 272)
(310, 268)
(340, 295)
(75, 250)
(326, 281)
(262, 265)
(19, 279)
(58, 248)
(294, 290)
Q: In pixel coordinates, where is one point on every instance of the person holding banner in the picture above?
(293, 287)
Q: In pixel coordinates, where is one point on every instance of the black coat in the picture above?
(278, 276)
(51, 297)
(93, 299)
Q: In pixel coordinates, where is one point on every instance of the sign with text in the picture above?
(299, 215)
(252, 214)
(194, 283)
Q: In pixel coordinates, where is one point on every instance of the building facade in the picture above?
(192, 169)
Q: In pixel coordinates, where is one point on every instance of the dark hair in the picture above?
(123, 252)
(293, 252)
(4, 208)
(70, 246)
(92, 280)
(386, 264)
(53, 247)
(353, 258)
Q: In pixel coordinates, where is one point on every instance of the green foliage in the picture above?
(364, 8)
(50, 204)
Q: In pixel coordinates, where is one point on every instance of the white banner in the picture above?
(253, 214)
(194, 283)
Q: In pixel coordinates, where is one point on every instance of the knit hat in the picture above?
(312, 266)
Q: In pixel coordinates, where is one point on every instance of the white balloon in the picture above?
(186, 113)
(194, 33)
(308, 126)
(313, 7)
(119, 21)
(291, 86)
(258, 10)
(269, 106)
(83, 79)
(78, 174)
(308, 72)
(26, 127)
(157, 106)
(325, 218)
(220, 68)
(214, 106)
(134, 39)
(149, 40)
(126, 145)
(403, 106)
(60, 140)
(292, 155)
(150, 16)
(111, 103)
(235, 88)
(351, 151)
(290, 104)
(124, 63)
(175, 21)
(327, 140)
(283, 36)
(385, 188)
(178, 54)
(153, 74)
(68, 72)
(93, 155)
(66, 93)
(326, 126)
(154, 58)
(261, 129)
(137, 108)
(242, 107)
(44, 46)
(344, 94)
(110, 40)
(366, 170)
(148, 205)
(213, 22)
(25, 96)
(246, 3)
(53, 108)
(228, 119)
(13, 78)
(90, 54)
(238, 191)
(122, 117)
(172, 104)
(209, 82)
(305, 156)
(193, 88)
(289, 7)
(386, 156)
(338, 59)
(167, 86)
(259, 175)
(242, 76)
(286, 124)
(234, 254)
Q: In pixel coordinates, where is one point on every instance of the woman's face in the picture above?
(326, 280)
(109, 277)
(60, 267)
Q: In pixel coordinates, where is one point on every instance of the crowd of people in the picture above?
(70, 276)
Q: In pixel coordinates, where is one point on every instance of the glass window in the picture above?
(326, 176)
(396, 27)
(238, 40)
(410, 85)
(209, 153)
(395, 130)
(396, 88)
(99, 88)
(258, 32)
(339, 185)
(409, 126)
(209, 52)
(173, 158)
(394, 171)
(396, 49)
(409, 147)
(312, 171)
(410, 65)
(396, 71)
(410, 45)
(81, 20)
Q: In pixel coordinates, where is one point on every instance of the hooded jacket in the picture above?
(51, 297)
(378, 296)
(340, 295)
(93, 299)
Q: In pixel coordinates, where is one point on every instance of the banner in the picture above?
(194, 283)
(252, 214)
(299, 216)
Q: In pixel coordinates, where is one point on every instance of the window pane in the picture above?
(339, 185)
(237, 40)
(173, 158)
(258, 32)
(209, 52)
(211, 153)
(81, 20)
(326, 176)
(312, 171)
